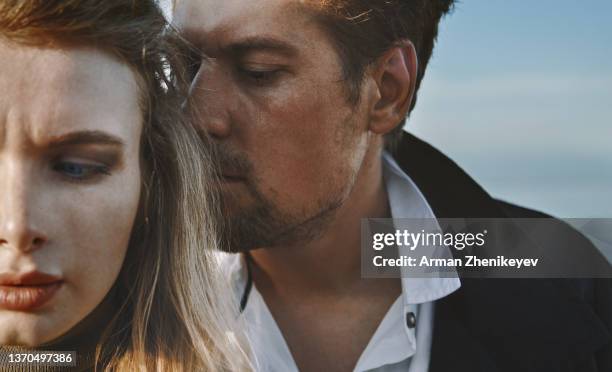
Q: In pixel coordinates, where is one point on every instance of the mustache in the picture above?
(229, 161)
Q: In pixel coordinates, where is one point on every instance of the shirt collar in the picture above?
(407, 201)
(394, 341)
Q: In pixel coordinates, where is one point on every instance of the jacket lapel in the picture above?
(454, 347)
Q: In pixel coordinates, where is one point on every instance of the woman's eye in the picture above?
(79, 171)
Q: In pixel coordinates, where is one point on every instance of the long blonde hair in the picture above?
(176, 312)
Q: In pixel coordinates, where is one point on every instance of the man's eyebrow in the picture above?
(259, 43)
(239, 47)
(87, 137)
(193, 38)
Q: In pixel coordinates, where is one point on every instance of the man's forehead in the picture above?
(209, 15)
(218, 16)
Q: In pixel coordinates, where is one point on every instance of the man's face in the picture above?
(272, 97)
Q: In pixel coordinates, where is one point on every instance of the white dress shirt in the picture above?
(394, 346)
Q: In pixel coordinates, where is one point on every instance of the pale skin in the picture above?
(272, 92)
(70, 127)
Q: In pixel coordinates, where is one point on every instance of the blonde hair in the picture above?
(176, 312)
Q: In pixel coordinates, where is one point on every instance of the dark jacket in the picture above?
(509, 325)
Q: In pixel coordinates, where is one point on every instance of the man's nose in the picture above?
(216, 127)
(18, 230)
(211, 99)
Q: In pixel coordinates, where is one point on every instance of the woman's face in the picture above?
(70, 126)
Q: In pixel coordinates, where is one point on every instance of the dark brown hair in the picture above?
(362, 30)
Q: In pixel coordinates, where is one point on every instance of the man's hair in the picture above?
(363, 30)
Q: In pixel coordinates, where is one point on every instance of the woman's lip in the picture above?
(33, 278)
(27, 297)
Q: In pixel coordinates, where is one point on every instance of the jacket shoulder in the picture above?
(516, 211)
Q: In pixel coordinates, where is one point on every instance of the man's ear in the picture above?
(394, 75)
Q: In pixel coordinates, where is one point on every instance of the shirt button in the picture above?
(411, 320)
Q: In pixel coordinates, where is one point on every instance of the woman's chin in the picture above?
(27, 330)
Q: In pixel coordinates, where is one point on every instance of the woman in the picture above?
(107, 223)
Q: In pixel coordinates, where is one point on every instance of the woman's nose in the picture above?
(18, 229)
(20, 236)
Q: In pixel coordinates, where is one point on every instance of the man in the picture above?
(304, 101)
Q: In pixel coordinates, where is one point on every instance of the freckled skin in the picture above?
(304, 142)
(83, 219)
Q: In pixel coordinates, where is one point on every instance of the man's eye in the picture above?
(194, 62)
(192, 70)
(260, 76)
(79, 171)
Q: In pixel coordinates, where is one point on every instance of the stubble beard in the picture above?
(263, 225)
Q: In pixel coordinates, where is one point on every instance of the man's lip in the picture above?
(33, 278)
(231, 178)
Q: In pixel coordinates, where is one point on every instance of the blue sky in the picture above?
(519, 93)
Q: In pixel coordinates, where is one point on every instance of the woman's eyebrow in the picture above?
(86, 137)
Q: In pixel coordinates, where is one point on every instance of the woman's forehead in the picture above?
(57, 90)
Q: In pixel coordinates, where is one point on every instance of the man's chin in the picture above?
(253, 223)
(248, 228)
(235, 201)
(246, 232)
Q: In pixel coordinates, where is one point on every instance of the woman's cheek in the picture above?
(99, 224)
